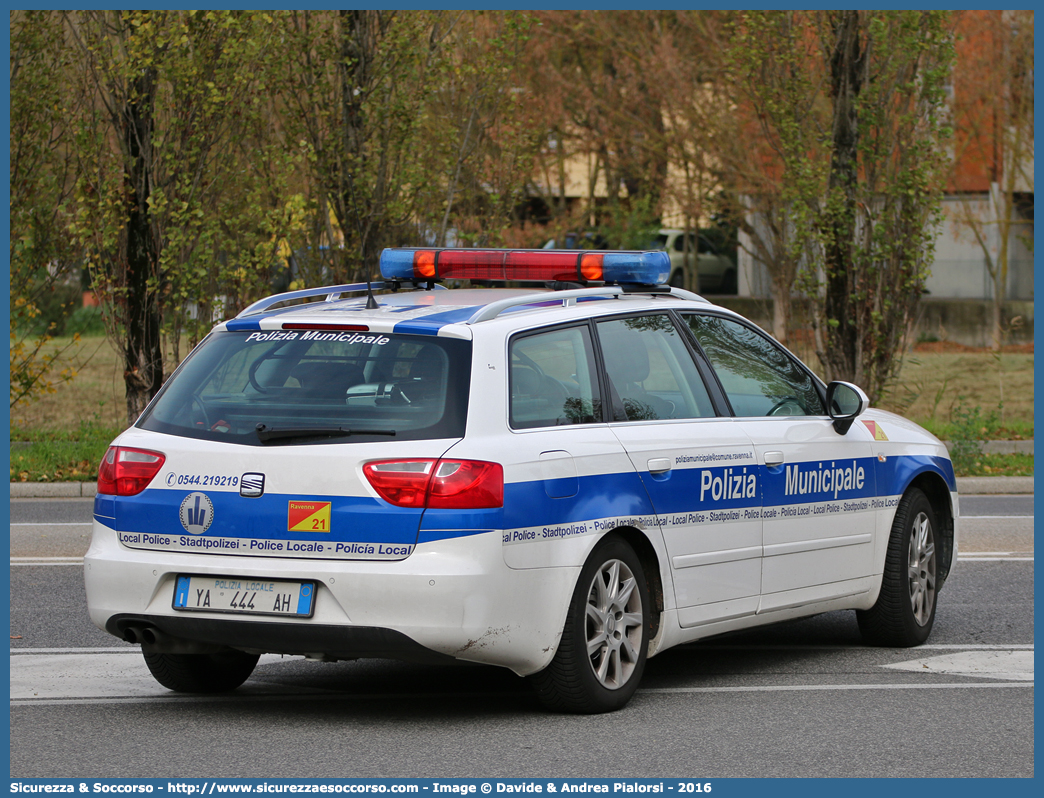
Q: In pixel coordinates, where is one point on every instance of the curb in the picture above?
(1001, 447)
(967, 486)
(53, 490)
(972, 486)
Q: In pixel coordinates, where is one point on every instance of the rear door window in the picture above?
(651, 372)
(552, 379)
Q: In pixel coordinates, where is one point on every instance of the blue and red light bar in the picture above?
(526, 265)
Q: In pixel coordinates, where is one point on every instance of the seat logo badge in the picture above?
(197, 513)
(251, 485)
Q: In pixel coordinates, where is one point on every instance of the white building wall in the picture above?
(959, 270)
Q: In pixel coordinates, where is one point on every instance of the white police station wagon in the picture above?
(561, 482)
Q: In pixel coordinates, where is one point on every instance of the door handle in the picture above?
(774, 459)
(659, 465)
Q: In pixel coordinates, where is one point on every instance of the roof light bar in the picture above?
(526, 265)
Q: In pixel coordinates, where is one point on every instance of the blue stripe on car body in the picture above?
(362, 519)
(431, 324)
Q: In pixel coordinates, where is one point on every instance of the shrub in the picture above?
(85, 321)
(970, 430)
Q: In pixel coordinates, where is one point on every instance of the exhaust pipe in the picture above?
(145, 635)
(154, 640)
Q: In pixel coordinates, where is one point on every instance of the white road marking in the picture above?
(48, 523)
(97, 674)
(1020, 518)
(1010, 666)
(979, 646)
(995, 517)
(255, 691)
(63, 676)
(783, 688)
(992, 553)
(827, 647)
(127, 649)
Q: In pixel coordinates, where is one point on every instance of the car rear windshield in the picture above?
(314, 386)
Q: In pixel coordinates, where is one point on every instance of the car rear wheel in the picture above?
(602, 653)
(905, 610)
(201, 673)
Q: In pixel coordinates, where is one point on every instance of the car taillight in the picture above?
(441, 484)
(466, 484)
(404, 483)
(125, 471)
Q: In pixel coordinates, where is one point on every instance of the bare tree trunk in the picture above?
(1003, 208)
(560, 159)
(462, 157)
(996, 320)
(360, 32)
(781, 307)
(143, 354)
(846, 79)
(773, 252)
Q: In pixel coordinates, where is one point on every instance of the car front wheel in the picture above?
(601, 656)
(905, 609)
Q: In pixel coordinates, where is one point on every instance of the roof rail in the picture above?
(565, 298)
(331, 292)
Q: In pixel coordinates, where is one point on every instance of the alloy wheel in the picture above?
(922, 569)
(614, 624)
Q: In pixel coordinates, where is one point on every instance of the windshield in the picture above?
(262, 388)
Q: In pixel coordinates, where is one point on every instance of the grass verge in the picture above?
(59, 456)
(938, 389)
(999, 465)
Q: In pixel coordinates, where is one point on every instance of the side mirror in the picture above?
(845, 401)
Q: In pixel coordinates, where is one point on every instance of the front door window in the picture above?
(759, 377)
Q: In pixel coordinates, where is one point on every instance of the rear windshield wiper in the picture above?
(266, 433)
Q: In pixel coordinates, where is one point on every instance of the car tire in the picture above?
(201, 673)
(904, 612)
(602, 654)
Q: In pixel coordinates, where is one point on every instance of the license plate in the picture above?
(244, 596)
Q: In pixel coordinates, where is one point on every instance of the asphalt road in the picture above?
(800, 699)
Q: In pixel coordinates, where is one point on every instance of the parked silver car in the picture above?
(717, 271)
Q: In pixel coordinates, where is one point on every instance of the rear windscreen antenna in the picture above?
(371, 303)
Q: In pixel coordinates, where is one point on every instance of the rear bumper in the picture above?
(451, 598)
(317, 640)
